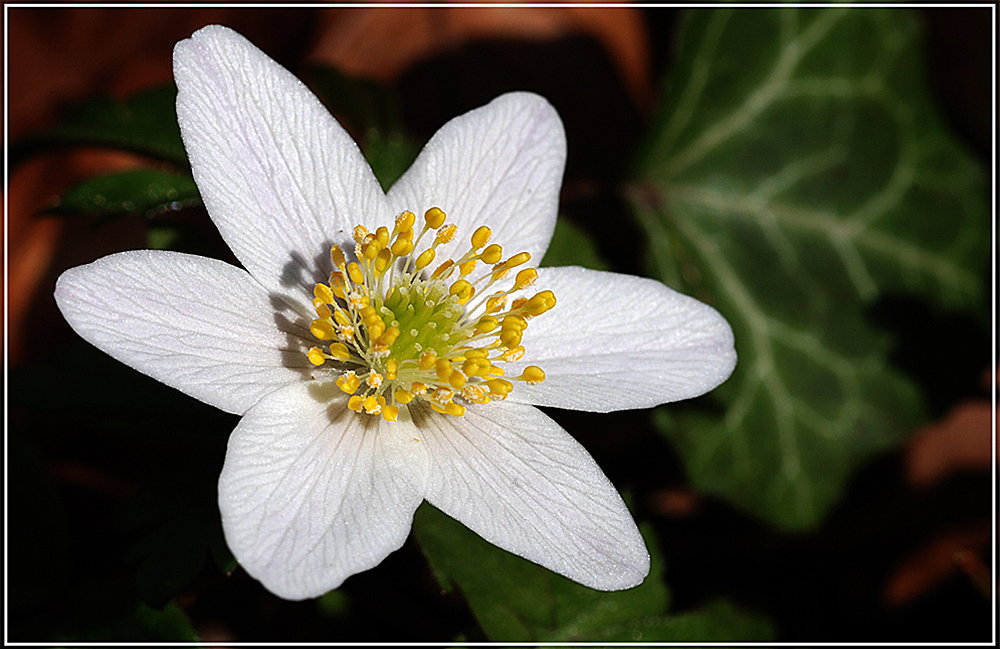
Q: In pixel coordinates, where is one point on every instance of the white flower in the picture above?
(329, 462)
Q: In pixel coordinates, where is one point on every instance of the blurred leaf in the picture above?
(797, 172)
(371, 111)
(572, 246)
(516, 600)
(146, 192)
(718, 621)
(144, 624)
(104, 386)
(389, 155)
(176, 522)
(145, 124)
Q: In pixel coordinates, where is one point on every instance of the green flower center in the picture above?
(401, 333)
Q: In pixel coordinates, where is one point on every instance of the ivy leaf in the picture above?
(515, 600)
(146, 192)
(146, 124)
(797, 173)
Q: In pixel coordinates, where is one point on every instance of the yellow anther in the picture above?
(468, 267)
(442, 270)
(525, 278)
(455, 409)
(340, 351)
(497, 371)
(322, 330)
(382, 260)
(360, 232)
(345, 332)
(371, 404)
(541, 303)
(322, 310)
(391, 369)
(337, 257)
(512, 354)
(480, 237)
(516, 260)
(341, 317)
(427, 360)
(316, 356)
(403, 396)
(496, 303)
(510, 337)
(463, 289)
(445, 234)
(373, 380)
(434, 217)
(514, 322)
(418, 388)
(475, 394)
(532, 375)
(371, 248)
(382, 236)
(500, 387)
(457, 380)
(516, 305)
(405, 221)
(376, 329)
(486, 324)
(357, 276)
(323, 293)
(402, 247)
(357, 299)
(389, 337)
(349, 382)
(441, 396)
(425, 258)
(389, 413)
(354, 403)
(492, 254)
(475, 367)
(443, 368)
(477, 352)
(337, 281)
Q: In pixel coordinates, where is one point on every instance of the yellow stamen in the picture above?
(397, 333)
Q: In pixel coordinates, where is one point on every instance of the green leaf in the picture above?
(718, 621)
(389, 154)
(798, 172)
(572, 246)
(145, 192)
(146, 124)
(143, 624)
(516, 600)
(371, 111)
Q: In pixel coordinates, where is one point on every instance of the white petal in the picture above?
(280, 178)
(200, 325)
(312, 493)
(500, 165)
(517, 479)
(615, 342)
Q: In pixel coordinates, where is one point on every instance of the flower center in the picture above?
(402, 333)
